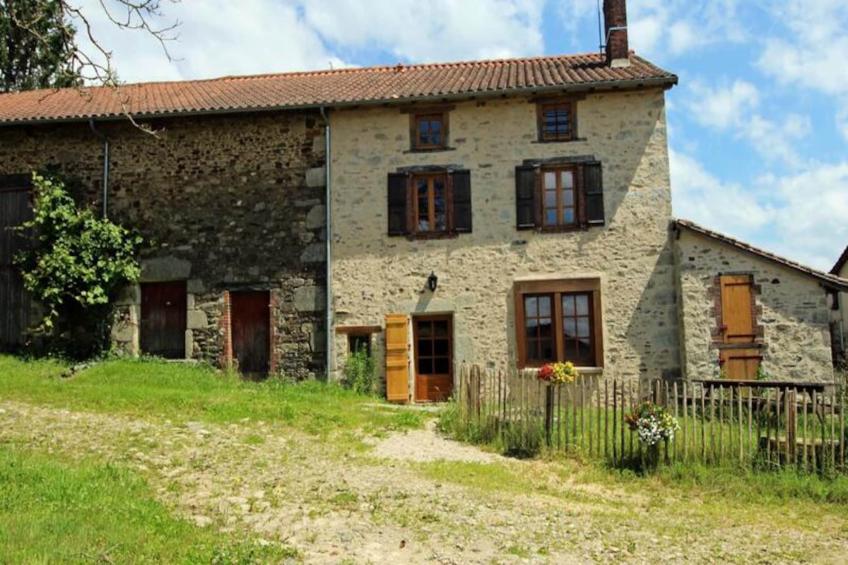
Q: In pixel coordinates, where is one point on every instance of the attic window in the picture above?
(429, 131)
(556, 121)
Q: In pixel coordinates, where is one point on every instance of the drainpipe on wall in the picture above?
(328, 234)
(105, 166)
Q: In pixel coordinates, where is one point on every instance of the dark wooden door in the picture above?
(15, 208)
(250, 319)
(433, 358)
(739, 356)
(163, 319)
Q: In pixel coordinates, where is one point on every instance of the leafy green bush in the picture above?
(74, 264)
(359, 373)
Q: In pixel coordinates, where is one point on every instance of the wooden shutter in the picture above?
(398, 189)
(737, 309)
(593, 192)
(397, 358)
(461, 187)
(526, 208)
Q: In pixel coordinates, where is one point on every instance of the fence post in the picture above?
(549, 413)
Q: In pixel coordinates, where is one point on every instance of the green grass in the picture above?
(183, 392)
(56, 511)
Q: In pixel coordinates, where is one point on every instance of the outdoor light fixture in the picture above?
(432, 281)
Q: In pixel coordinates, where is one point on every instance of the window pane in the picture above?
(425, 366)
(425, 329)
(583, 327)
(545, 306)
(436, 133)
(441, 347)
(441, 366)
(545, 328)
(440, 328)
(568, 198)
(566, 179)
(530, 307)
(423, 205)
(439, 204)
(550, 180)
(550, 217)
(569, 327)
(532, 326)
(550, 199)
(425, 347)
(547, 350)
(568, 216)
(567, 305)
(582, 304)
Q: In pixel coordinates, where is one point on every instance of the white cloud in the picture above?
(723, 107)
(699, 196)
(437, 30)
(801, 216)
(812, 53)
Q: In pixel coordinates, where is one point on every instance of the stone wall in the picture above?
(374, 274)
(224, 202)
(793, 311)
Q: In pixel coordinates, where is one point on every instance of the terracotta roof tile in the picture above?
(330, 88)
(829, 280)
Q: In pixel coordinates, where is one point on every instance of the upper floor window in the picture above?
(429, 130)
(560, 196)
(556, 121)
(429, 203)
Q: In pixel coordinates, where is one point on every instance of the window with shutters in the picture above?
(560, 197)
(559, 321)
(556, 121)
(429, 204)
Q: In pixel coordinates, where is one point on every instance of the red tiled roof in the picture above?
(843, 259)
(829, 280)
(331, 88)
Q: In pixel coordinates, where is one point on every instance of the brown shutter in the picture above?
(593, 192)
(461, 185)
(397, 358)
(398, 203)
(526, 207)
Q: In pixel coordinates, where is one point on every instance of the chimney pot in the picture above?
(615, 33)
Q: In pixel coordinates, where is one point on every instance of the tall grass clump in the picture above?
(359, 373)
(513, 439)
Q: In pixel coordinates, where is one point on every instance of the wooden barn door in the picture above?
(163, 319)
(15, 208)
(740, 358)
(433, 358)
(397, 358)
(250, 319)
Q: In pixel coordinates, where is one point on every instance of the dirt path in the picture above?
(333, 501)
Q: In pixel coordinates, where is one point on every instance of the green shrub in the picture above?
(73, 265)
(359, 374)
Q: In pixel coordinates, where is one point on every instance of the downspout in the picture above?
(328, 235)
(105, 166)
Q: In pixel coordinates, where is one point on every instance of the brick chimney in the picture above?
(615, 33)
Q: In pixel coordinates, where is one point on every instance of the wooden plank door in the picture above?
(163, 319)
(15, 208)
(397, 358)
(740, 360)
(250, 320)
(433, 339)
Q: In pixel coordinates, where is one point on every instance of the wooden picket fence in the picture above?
(754, 423)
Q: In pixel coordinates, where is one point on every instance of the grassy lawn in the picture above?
(56, 511)
(182, 392)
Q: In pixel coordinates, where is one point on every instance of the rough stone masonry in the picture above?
(223, 202)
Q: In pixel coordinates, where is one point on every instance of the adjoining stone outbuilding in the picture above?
(231, 208)
(839, 315)
(746, 313)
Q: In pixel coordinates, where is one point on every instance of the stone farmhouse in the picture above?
(508, 212)
(839, 315)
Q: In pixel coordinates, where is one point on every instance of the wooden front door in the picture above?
(433, 338)
(15, 209)
(739, 356)
(163, 319)
(250, 319)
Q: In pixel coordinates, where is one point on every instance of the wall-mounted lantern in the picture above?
(432, 282)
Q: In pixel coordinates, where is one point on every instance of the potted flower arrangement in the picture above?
(652, 424)
(558, 373)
